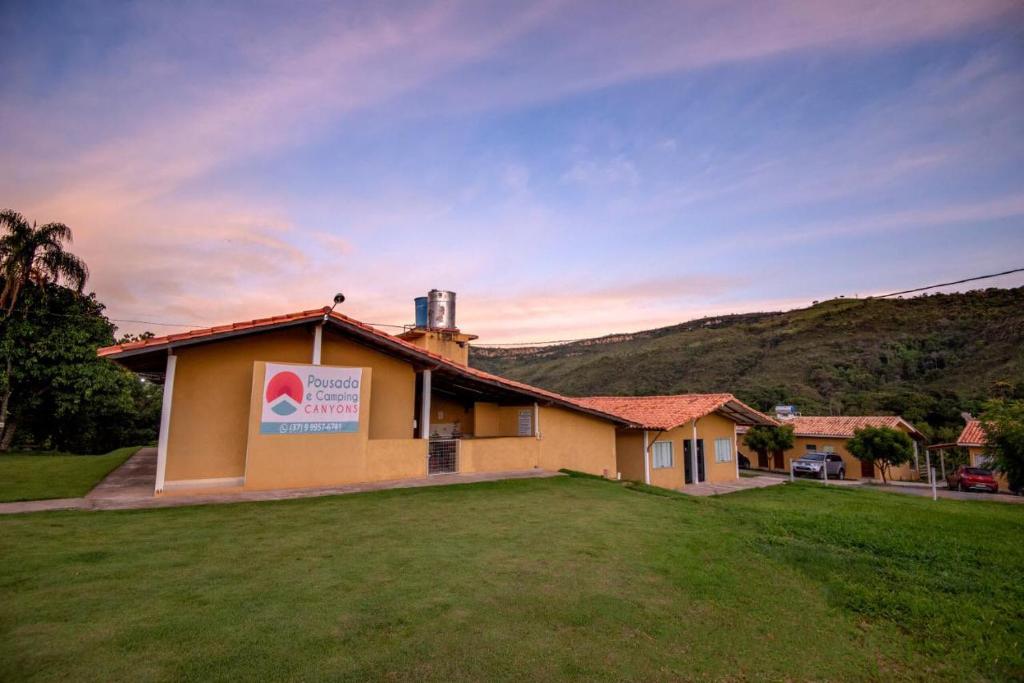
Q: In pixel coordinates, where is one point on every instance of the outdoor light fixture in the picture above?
(339, 298)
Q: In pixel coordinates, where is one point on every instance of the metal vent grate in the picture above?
(443, 456)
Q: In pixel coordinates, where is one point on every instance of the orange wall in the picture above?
(851, 463)
(575, 441)
(453, 347)
(447, 410)
(490, 419)
(498, 454)
(215, 408)
(303, 460)
(508, 419)
(485, 419)
(392, 405)
(709, 428)
(315, 460)
(629, 442)
(569, 440)
(213, 389)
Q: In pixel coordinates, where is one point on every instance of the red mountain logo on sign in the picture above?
(310, 399)
(284, 393)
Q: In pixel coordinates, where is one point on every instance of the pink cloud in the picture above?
(115, 173)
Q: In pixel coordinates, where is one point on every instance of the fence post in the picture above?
(824, 470)
(792, 477)
(935, 495)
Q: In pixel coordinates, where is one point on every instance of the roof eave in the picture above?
(418, 357)
(115, 355)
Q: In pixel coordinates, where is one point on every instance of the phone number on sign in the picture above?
(308, 427)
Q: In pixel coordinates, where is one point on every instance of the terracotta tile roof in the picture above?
(218, 330)
(843, 426)
(669, 412)
(972, 435)
(408, 349)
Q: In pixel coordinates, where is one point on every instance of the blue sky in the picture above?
(570, 168)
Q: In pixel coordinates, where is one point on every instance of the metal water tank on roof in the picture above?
(440, 310)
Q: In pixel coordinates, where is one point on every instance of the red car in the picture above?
(972, 479)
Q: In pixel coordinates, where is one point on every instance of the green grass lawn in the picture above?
(529, 580)
(35, 476)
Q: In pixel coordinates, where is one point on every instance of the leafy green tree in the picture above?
(35, 253)
(884, 447)
(1003, 422)
(764, 440)
(60, 394)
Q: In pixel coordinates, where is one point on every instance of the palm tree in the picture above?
(31, 253)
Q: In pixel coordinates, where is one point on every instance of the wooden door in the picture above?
(700, 461)
(687, 462)
(867, 469)
(779, 462)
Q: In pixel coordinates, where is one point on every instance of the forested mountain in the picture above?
(927, 358)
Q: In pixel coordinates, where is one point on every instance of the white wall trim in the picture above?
(165, 422)
(693, 455)
(318, 343)
(204, 483)
(425, 407)
(647, 460)
(736, 450)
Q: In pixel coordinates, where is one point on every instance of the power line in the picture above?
(194, 325)
(882, 296)
(551, 343)
(563, 341)
(151, 322)
(947, 284)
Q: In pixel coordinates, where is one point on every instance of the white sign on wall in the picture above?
(310, 399)
(526, 422)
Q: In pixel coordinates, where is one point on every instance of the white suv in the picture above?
(811, 464)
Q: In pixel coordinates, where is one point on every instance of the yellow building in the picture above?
(973, 439)
(315, 399)
(829, 434)
(675, 441)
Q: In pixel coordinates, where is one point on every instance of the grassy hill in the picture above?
(927, 358)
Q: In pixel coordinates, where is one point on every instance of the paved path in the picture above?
(742, 484)
(130, 487)
(44, 505)
(785, 476)
(135, 479)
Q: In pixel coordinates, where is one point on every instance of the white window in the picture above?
(723, 450)
(661, 454)
(829, 449)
